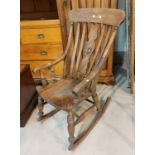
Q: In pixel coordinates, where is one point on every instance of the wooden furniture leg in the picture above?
(96, 102)
(41, 114)
(40, 108)
(71, 128)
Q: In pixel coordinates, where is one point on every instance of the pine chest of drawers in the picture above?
(40, 43)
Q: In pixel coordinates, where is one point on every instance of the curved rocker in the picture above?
(83, 135)
(84, 58)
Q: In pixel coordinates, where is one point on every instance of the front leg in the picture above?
(71, 128)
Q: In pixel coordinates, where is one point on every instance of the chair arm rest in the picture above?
(80, 86)
(49, 65)
(84, 82)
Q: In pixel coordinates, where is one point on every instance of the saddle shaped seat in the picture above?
(62, 97)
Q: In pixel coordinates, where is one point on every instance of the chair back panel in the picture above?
(91, 37)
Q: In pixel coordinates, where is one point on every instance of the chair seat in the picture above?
(59, 93)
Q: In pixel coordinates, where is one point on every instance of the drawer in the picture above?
(40, 52)
(58, 68)
(40, 35)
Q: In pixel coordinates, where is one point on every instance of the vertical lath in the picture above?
(97, 3)
(89, 49)
(68, 50)
(75, 48)
(105, 3)
(90, 3)
(97, 50)
(106, 52)
(105, 42)
(79, 54)
(113, 4)
(75, 4)
(82, 3)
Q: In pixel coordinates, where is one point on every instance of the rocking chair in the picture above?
(84, 58)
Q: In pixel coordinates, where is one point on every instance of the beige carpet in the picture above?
(113, 134)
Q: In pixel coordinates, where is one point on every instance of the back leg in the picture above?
(40, 108)
(96, 102)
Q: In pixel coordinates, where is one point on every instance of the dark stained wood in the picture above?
(80, 81)
(38, 9)
(28, 94)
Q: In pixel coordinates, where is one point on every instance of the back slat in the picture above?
(75, 48)
(83, 3)
(79, 55)
(97, 3)
(113, 4)
(107, 38)
(103, 58)
(98, 56)
(67, 51)
(105, 3)
(89, 48)
(75, 4)
(97, 48)
(90, 3)
(106, 52)
(105, 16)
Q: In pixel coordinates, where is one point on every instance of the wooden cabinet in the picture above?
(28, 94)
(43, 32)
(41, 42)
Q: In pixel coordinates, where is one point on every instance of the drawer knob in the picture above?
(43, 53)
(40, 36)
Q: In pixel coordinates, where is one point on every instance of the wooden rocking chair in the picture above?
(84, 58)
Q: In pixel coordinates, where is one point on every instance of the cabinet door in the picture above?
(38, 9)
(64, 6)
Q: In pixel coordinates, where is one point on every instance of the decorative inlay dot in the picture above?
(89, 49)
(100, 16)
(87, 80)
(94, 16)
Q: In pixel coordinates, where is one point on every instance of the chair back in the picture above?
(92, 32)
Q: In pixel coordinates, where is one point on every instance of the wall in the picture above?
(121, 45)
